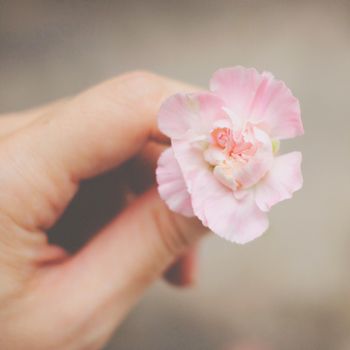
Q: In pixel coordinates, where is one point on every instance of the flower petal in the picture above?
(193, 167)
(195, 113)
(171, 185)
(214, 204)
(259, 98)
(275, 109)
(238, 221)
(281, 181)
(237, 87)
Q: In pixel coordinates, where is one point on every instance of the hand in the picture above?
(50, 299)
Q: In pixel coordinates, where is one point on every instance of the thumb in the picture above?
(128, 254)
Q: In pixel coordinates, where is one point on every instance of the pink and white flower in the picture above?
(223, 164)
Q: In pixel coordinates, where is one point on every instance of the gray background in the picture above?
(289, 289)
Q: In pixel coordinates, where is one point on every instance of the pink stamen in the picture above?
(221, 137)
(233, 143)
(242, 147)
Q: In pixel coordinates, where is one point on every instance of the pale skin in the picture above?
(50, 299)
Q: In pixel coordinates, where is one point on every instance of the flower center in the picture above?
(233, 144)
(222, 137)
(230, 152)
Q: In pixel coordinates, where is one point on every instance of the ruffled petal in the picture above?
(214, 204)
(281, 181)
(193, 167)
(171, 185)
(259, 98)
(238, 221)
(237, 87)
(275, 109)
(193, 114)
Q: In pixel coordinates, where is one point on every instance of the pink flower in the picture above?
(223, 164)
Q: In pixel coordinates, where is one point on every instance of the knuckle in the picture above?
(137, 91)
(134, 82)
(139, 77)
(144, 86)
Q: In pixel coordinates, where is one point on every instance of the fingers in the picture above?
(131, 252)
(12, 122)
(183, 272)
(102, 127)
(78, 139)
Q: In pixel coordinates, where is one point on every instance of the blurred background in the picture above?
(290, 289)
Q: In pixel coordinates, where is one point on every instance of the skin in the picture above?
(54, 299)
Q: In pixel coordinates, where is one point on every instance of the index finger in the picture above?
(103, 126)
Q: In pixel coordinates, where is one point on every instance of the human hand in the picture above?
(50, 299)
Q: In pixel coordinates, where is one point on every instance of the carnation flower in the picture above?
(223, 165)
